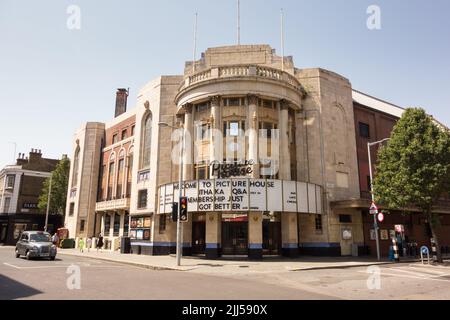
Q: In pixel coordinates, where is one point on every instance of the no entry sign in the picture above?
(380, 217)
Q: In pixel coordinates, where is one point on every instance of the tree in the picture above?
(58, 196)
(413, 170)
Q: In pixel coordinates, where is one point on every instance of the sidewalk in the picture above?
(230, 265)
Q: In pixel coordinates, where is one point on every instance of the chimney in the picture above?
(121, 101)
(35, 155)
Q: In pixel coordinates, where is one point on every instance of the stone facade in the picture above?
(295, 126)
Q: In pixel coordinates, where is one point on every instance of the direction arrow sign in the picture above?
(373, 209)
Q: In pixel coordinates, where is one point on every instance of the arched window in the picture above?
(120, 174)
(111, 171)
(76, 163)
(146, 141)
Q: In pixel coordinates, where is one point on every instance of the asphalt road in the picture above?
(41, 279)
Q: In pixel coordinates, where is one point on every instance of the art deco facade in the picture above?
(290, 131)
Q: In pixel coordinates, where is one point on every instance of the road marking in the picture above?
(11, 265)
(383, 273)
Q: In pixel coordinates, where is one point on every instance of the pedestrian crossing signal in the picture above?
(183, 209)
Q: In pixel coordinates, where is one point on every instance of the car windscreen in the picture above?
(40, 237)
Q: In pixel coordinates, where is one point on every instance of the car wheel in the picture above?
(28, 255)
(17, 253)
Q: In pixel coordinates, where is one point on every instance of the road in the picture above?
(41, 279)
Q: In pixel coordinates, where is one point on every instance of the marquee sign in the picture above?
(243, 194)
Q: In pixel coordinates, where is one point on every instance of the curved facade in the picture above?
(266, 151)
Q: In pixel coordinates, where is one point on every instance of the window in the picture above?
(162, 223)
(71, 208)
(124, 134)
(233, 102)
(10, 182)
(115, 138)
(76, 164)
(130, 171)
(107, 224)
(202, 131)
(132, 129)
(82, 223)
(116, 227)
(120, 176)
(364, 130)
(345, 218)
(142, 199)
(318, 223)
(6, 204)
(265, 129)
(231, 128)
(201, 172)
(202, 107)
(146, 142)
(110, 180)
(267, 103)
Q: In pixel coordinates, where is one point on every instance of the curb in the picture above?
(136, 264)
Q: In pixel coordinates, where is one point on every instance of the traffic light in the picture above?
(175, 211)
(184, 209)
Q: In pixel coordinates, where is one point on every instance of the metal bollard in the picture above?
(433, 250)
(395, 247)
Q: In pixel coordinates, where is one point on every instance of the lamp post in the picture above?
(179, 249)
(375, 223)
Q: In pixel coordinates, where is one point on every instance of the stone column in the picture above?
(213, 235)
(255, 235)
(252, 120)
(289, 234)
(216, 145)
(122, 224)
(285, 159)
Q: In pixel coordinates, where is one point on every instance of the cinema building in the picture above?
(282, 178)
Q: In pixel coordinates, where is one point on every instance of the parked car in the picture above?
(35, 244)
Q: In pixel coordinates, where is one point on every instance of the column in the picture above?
(252, 120)
(289, 234)
(216, 143)
(213, 235)
(255, 235)
(285, 161)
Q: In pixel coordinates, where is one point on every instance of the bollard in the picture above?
(395, 247)
(433, 250)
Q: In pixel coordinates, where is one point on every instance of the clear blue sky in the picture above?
(53, 79)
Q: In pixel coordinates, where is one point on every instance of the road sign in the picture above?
(373, 209)
(380, 217)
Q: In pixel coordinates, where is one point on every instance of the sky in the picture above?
(53, 78)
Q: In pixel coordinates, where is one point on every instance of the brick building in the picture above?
(20, 187)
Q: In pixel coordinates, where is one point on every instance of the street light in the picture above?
(375, 223)
(179, 253)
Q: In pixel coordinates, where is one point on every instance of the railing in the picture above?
(117, 204)
(241, 71)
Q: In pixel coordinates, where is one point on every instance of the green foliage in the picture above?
(414, 168)
(60, 181)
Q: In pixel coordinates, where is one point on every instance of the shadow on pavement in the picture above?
(11, 289)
